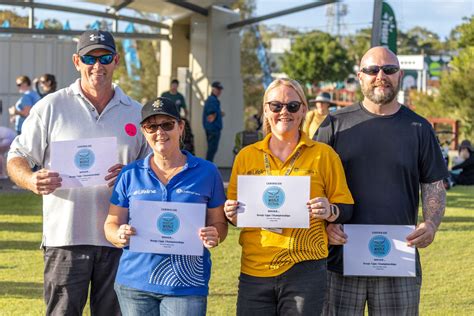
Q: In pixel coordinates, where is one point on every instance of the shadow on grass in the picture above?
(19, 245)
(461, 197)
(21, 289)
(21, 227)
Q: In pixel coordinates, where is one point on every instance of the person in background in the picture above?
(45, 85)
(7, 135)
(248, 136)
(152, 283)
(283, 272)
(212, 120)
(177, 98)
(389, 153)
(466, 176)
(21, 109)
(315, 117)
(78, 259)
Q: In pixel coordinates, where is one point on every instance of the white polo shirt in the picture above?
(77, 216)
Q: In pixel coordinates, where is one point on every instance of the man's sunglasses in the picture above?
(374, 70)
(276, 106)
(153, 128)
(103, 60)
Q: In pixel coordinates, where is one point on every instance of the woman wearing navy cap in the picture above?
(159, 284)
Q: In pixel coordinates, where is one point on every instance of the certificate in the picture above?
(83, 162)
(379, 250)
(166, 227)
(273, 201)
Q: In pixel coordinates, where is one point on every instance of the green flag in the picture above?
(388, 28)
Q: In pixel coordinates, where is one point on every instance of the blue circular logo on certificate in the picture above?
(84, 159)
(168, 223)
(379, 246)
(273, 197)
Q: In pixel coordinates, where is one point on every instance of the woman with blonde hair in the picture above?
(283, 272)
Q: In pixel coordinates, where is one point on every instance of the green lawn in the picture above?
(448, 264)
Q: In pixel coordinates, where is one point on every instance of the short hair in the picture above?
(175, 81)
(23, 79)
(275, 84)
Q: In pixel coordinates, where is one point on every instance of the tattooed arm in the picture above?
(433, 196)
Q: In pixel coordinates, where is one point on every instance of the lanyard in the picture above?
(290, 167)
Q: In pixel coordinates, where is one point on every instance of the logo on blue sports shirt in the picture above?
(379, 246)
(84, 159)
(168, 223)
(274, 197)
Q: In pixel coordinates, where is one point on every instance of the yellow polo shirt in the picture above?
(265, 253)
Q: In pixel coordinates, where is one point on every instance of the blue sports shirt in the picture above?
(198, 182)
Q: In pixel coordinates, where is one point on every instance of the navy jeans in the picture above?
(299, 291)
(212, 143)
(135, 302)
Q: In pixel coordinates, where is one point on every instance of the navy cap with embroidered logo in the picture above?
(160, 106)
(95, 39)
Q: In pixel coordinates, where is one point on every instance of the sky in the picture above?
(435, 15)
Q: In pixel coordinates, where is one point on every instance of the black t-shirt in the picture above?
(385, 159)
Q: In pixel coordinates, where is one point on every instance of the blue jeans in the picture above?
(135, 302)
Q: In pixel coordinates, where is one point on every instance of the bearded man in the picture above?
(388, 153)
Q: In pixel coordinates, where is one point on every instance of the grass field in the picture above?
(448, 264)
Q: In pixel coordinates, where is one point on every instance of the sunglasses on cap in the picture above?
(292, 106)
(374, 70)
(153, 128)
(103, 60)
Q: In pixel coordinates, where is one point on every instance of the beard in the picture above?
(380, 97)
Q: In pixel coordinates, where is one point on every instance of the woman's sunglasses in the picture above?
(374, 70)
(292, 106)
(103, 60)
(153, 128)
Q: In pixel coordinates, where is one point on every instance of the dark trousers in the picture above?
(212, 143)
(298, 291)
(69, 270)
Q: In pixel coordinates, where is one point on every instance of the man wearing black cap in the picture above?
(76, 252)
(212, 120)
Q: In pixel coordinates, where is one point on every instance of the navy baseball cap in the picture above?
(160, 106)
(95, 39)
(218, 85)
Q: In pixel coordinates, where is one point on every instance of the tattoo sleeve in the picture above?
(433, 202)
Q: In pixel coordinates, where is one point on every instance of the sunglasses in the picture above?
(292, 106)
(103, 60)
(374, 70)
(153, 128)
(19, 84)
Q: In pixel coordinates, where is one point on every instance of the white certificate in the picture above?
(83, 162)
(379, 250)
(167, 227)
(273, 201)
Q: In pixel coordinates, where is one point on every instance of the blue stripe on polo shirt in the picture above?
(198, 182)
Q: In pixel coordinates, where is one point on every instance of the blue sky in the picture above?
(435, 15)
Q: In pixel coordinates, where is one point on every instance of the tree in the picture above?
(53, 24)
(456, 91)
(315, 57)
(357, 44)
(462, 36)
(14, 18)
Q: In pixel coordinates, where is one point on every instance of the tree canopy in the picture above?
(316, 57)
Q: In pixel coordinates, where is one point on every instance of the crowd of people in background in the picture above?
(348, 155)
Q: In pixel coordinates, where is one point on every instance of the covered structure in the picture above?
(200, 43)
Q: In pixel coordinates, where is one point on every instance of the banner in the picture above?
(388, 32)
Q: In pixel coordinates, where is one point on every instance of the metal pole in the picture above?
(31, 16)
(376, 23)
